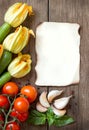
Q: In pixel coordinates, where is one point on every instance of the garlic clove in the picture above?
(62, 102)
(53, 94)
(40, 108)
(58, 112)
(43, 100)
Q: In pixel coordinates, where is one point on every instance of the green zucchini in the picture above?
(5, 60)
(5, 78)
(4, 30)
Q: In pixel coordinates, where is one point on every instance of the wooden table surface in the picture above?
(60, 11)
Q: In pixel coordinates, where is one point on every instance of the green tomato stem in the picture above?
(8, 114)
(5, 78)
(1, 127)
(4, 30)
(2, 110)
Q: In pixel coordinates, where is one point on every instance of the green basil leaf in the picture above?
(50, 116)
(62, 121)
(36, 113)
(37, 118)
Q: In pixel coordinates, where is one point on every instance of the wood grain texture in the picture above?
(76, 11)
(60, 11)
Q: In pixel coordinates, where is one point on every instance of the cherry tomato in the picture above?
(30, 92)
(13, 126)
(20, 116)
(21, 104)
(4, 103)
(10, 88)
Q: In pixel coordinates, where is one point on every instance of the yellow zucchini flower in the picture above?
(1, 50)
(17, 13)
(16, 41)
(20, 66)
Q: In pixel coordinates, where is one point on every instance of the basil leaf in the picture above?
(37, 118)
(62, 121)
(36, 113)
(50, 116)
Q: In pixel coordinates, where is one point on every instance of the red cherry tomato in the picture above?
(10, 88)
(30, 92)
(4, 103)
(21, 104)
(13, 126)
(20, 116)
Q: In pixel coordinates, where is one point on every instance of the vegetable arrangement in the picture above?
(14, 43)
(51, 110)
(18, 68)
(15, 104)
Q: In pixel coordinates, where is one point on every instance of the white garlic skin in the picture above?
(40, 108)
(58, 112)
(43, 100)
(53, 94)
(62, 102)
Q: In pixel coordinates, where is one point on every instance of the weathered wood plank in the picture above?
(76, 11)
(84, 84)
(63, 11)
(40, 14)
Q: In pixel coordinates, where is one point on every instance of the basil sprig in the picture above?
(38, 118)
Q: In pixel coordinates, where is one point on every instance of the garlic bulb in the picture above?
(58, 106)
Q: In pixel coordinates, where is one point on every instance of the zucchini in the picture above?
(4, 30)
(5, 78)
(5, 60)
